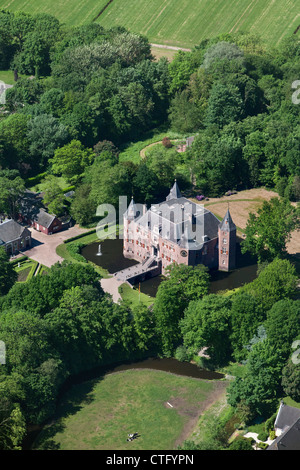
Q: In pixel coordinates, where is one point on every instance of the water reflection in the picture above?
(112, 260)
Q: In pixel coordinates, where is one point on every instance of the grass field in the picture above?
(71, 12)
(182, 23)
(98, 415)
(186, 22)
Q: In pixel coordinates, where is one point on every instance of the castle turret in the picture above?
(129, 216)
(174, 193)
(227, 243)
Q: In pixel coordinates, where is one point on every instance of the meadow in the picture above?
(99, 415)
(182, 23)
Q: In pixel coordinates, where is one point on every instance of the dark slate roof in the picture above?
(168, 218)
(43, 218)
(174, 193)
(227, 224)
(286, 416)
(289, 439)
(132, 210)
(11, 230)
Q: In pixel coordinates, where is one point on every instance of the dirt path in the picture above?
(172, 48)
(218, 393)
(143, 151)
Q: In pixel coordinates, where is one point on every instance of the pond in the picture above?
(112, 260)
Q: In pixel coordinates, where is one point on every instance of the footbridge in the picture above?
(150, 267)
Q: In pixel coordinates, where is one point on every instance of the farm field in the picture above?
(98, 415)
(241, 204)
(186, 22)
(182, 23)
(69, 11)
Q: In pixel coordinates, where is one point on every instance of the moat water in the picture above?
(112, 260)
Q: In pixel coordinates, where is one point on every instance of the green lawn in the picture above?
(69, 11)
(182, 23)
(98, 415)
(134, 297)
(186, 22)
(134, 151)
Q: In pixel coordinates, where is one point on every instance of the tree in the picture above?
(71, 160)
(12, 189)
(83, 209)
(268, 232)
(39, 295)
(245, 317)
(224, 105)
(184, 114)
(12, 426)
(53, 196)
(259, 388)
(146, 184)
(13, 131)
(184, 283)
(222, 51)
(206, 324)
(277, 281)
(283, 324)
(291, 380)
(45, 134)
(8, 275)
(144, 327)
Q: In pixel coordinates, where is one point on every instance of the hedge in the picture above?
(80, 236)
(35, 180)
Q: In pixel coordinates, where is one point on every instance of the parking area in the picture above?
(43, 248)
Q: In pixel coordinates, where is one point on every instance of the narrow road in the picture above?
(173, 48)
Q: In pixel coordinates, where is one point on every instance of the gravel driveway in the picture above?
(43, 249)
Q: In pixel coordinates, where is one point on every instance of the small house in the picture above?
(14, 237)
(287, 429)
(46, 223)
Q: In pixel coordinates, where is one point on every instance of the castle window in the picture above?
(224, 252)
(224, 241)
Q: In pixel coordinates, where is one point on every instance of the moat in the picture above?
(112, 260)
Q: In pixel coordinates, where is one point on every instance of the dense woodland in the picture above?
(84, 92)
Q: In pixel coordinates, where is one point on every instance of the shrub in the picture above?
(167, 143)
(74, 249)
(263, 436)
(262, 445)
(272, 435)
(269, 424)
(241, 443)
(181, 354)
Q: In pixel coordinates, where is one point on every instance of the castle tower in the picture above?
(128, 228)
(227, 243)
(174, 193)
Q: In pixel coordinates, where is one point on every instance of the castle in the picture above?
(176, 230)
